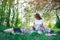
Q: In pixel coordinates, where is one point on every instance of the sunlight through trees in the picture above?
(20, 13)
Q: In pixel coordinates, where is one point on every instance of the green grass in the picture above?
(32, 36)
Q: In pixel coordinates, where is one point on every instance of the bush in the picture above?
(49, 25)
(58, 24)
(58, 32)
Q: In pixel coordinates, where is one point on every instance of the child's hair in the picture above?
(37, 16)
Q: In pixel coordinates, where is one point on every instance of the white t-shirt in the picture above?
(38, 23)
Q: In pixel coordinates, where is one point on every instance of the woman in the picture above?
(38, 23)
(16, 30)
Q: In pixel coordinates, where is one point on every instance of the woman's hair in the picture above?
(37, 16)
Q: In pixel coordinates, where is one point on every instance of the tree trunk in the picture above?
(16, 23)
(57, 15)
(13, 17)
(8, 18)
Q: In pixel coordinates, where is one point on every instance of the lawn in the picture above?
(32, 36)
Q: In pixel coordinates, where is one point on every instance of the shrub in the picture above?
(58, 24)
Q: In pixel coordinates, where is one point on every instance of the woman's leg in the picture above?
(10, 30)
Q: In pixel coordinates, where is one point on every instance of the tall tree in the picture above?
(17, 15)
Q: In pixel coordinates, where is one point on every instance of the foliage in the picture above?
(17, 13)
(49, 25)
(58, 24)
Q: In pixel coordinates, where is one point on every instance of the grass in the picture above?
(32, 36)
